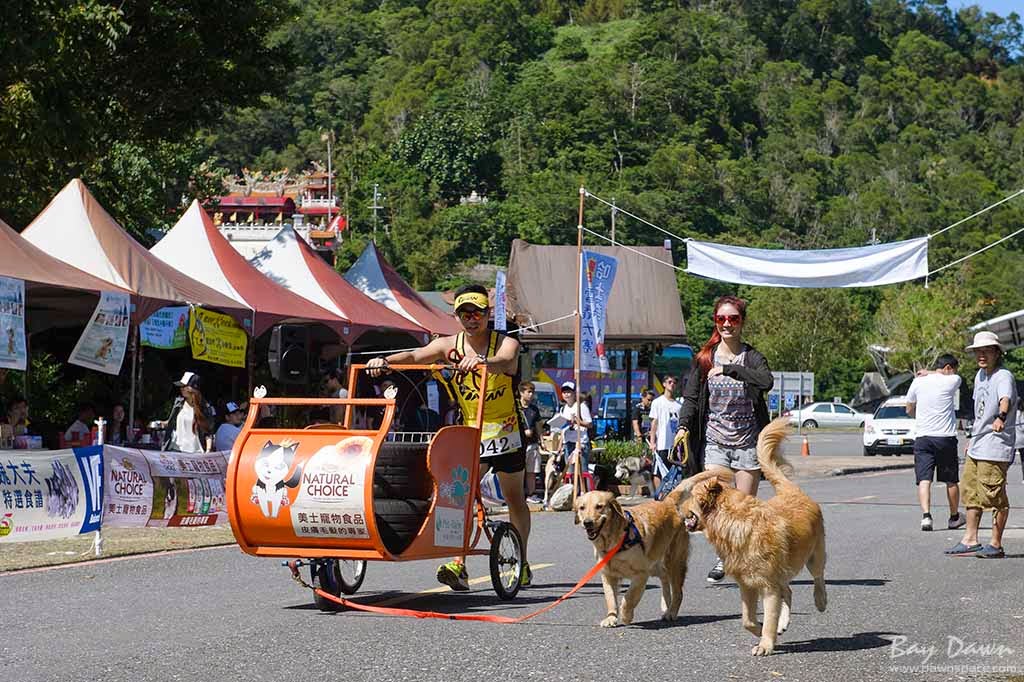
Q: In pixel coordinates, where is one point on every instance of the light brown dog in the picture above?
(656, 544)
(763, 544)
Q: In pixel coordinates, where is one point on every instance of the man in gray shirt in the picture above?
(991, 449)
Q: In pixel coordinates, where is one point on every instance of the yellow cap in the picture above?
(473, 298)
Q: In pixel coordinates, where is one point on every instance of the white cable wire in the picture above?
(639, 253)
(514, 331)
(975, 215)
(619, 209)
(972, 255)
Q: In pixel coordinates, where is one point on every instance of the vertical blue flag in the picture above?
(500, 311)
(597, 273)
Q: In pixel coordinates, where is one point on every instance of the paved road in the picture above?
(220, 615)
(841, 443)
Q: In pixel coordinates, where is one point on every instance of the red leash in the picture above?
(411, 613)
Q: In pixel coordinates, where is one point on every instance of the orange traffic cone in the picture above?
(805, 449)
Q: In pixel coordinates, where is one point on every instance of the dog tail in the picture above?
(769, 446)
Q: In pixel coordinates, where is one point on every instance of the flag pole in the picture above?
(576, 349)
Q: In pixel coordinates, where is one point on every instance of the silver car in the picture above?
(827, 414)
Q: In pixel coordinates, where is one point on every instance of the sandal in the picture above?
(990, 552)
(960, 549)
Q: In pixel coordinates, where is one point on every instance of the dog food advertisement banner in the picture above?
(165, 329)
(13, 353)
(331, 499)
(597, 274)
(50, 495)
(217, 338)
(158, 489)
(103, 343)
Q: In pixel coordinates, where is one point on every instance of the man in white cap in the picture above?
(990, 450)
(576, 429)
(228, 432)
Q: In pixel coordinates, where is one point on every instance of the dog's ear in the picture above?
(712, 490)
(616, 508)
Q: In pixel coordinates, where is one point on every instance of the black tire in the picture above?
(399, 521)
(326, 577)
(400, 472)
(506, 561)
(810, 424)
(868, 452)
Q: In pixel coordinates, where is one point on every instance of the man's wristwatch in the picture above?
(1002, 417)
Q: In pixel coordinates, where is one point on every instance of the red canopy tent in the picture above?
(57, 293)
(292, 263)
(75, 229)
(195, 247)
(375, 277)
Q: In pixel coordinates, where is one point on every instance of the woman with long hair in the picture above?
(117, 427)
(191, 417)
(724, 407)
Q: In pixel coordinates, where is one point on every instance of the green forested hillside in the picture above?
(797, 123)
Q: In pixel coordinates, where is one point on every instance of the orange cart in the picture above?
(335, 497)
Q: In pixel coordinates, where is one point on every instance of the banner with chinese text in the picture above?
(597, 274)
(216, 338)
(157, 488)
(102, 345)
(165, 329)
(50, 495)
(13, 352)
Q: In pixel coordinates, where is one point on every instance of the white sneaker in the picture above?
(926, 523)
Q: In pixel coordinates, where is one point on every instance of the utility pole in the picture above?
(614, 211)
(376, 207)
(874, 239)
(326, 137)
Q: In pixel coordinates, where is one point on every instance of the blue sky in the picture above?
(1000, 7)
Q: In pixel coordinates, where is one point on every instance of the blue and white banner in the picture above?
(104, 341)
(597, 274)
(13, 354)
(47, 495)
(500, 310)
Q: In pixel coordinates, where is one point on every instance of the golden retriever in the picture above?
(658, 545)
(763, 544)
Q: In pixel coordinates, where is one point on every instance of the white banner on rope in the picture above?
(863, 266)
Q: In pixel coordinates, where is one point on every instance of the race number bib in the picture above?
(496, 440)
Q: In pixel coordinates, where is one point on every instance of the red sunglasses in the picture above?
(732, 319)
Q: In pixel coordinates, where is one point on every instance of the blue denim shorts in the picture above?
(737, 459)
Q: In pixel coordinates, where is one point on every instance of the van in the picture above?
(613, 416)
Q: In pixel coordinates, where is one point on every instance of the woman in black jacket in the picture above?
(724, 407)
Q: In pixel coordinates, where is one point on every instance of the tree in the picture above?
(917, 325)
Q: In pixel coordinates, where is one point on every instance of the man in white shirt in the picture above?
(990, 451)
(228, 432)
(576, 429)
(932, 400)
(664, 422)
(81, 431)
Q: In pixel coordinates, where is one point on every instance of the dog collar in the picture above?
(633, 536)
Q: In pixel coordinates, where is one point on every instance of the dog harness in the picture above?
(633, 536)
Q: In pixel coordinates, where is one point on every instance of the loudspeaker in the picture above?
(288, 355)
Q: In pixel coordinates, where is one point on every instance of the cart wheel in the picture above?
(334, 577)
(506, 560)
(351, 573)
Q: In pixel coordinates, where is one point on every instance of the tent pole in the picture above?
(626, 430)
(576, 350)
(133, 344)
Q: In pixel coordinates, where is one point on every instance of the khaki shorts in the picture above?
(984, 484)
(533, 458)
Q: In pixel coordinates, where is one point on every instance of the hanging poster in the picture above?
(216, 338)
(103, 343)
(50, 495)
(597, 274)
(165, 329)
(13, 354)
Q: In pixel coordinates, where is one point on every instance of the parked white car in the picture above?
(890, 431)
(826, 414)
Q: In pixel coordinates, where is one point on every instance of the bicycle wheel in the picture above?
(327, 577)
(506, 561)
(350, 574)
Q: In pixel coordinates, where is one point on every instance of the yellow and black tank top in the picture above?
(501, 431)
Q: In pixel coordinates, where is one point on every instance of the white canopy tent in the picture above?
(1009, 328)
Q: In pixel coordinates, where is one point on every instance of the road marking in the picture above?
(401, 599)
(862, 499)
